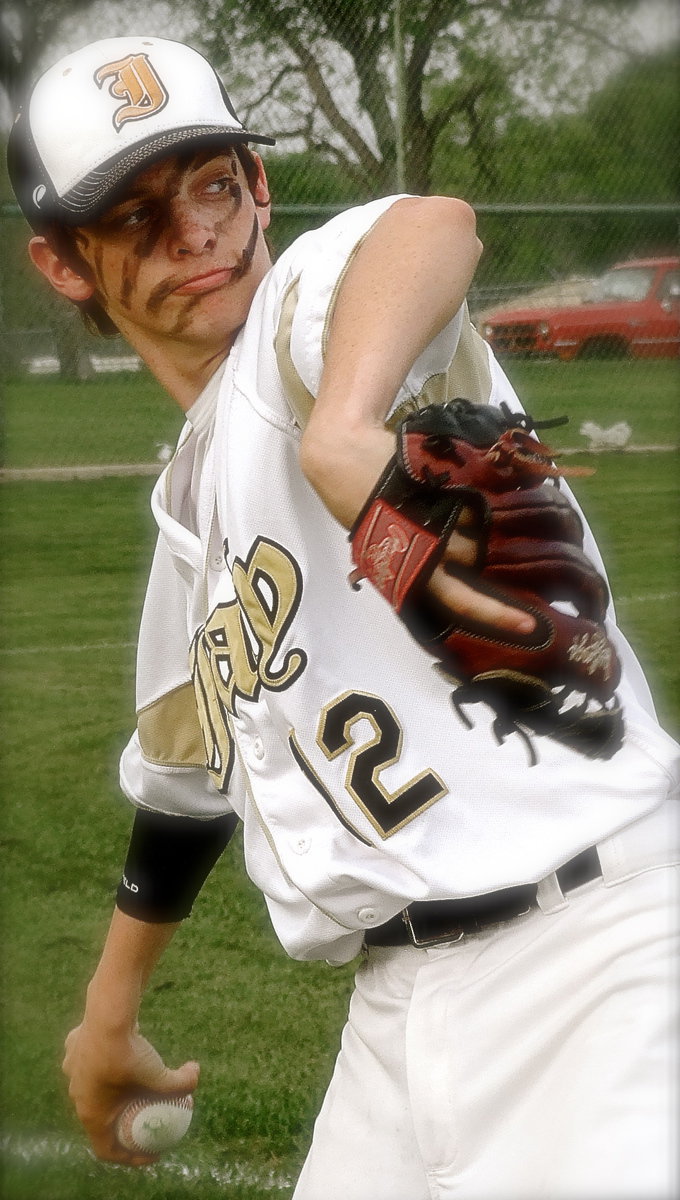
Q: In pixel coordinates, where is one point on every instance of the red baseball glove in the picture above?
(560, 679)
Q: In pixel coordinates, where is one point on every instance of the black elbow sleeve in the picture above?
(168, 861)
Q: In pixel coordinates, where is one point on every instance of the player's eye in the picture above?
(223, 185)
(135, 217)
(126, 219)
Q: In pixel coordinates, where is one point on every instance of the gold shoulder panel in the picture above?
(298, 395)
(169, 730)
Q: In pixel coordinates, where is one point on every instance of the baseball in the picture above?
(152, 1126)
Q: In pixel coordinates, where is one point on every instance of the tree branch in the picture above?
(286, 70)
(327, 104)
(535, 14)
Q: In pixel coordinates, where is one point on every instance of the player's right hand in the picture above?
(106, 1069)
(343, 468)
(461, 599)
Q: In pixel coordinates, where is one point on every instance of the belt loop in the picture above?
(612, 855)
(549, 895)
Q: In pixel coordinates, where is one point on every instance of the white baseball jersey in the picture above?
(322, 723)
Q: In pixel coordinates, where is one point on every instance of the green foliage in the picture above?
(635, 119)
(307, 178)
(528, 247)
(28, 27)
(328, 71)
(617, 149)
(490, 115)
(324, 72)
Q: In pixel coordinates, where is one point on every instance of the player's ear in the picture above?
(62, 277)
(261, 193)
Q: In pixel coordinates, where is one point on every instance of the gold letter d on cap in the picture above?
(134, 81)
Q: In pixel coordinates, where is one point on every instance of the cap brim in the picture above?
(90, 198)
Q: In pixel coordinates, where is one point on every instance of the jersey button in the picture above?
(218, 562)
(258, 749)
(368, 916)
(302, 845)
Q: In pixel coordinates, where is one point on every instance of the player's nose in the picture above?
(191, 231)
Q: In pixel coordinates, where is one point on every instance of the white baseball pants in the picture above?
(537, 1059)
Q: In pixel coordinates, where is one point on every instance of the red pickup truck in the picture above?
(633, 310)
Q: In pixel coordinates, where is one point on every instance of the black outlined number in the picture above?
(388, 811)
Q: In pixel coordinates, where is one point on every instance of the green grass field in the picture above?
(264, 1028)
(123, 418)
(120, 418)
(645, 394)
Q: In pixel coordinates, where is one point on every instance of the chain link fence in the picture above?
(568, 151)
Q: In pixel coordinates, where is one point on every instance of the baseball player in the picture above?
(378, 633)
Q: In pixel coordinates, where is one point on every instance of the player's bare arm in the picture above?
(107, 1060)
(410, 277)
(405, 283)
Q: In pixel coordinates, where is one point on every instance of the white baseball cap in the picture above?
(100, 115)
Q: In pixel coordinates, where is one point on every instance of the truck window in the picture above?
(628, 283)
(670, 286)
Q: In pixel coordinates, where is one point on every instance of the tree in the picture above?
(26, 28)
(635, 122)
(621, 148)
(620, 151)
(323, 74)
(365, 84)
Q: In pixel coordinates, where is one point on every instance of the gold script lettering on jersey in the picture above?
(135, 82)
(239, 649)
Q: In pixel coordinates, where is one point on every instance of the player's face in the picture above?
(180, 257)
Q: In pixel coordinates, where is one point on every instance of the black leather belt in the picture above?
(434, 922)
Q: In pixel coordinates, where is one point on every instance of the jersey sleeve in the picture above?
(163, 766)
(311, 276)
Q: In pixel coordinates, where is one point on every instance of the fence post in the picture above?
(400, 118)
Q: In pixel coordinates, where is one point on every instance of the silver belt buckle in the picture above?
(455, 934)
